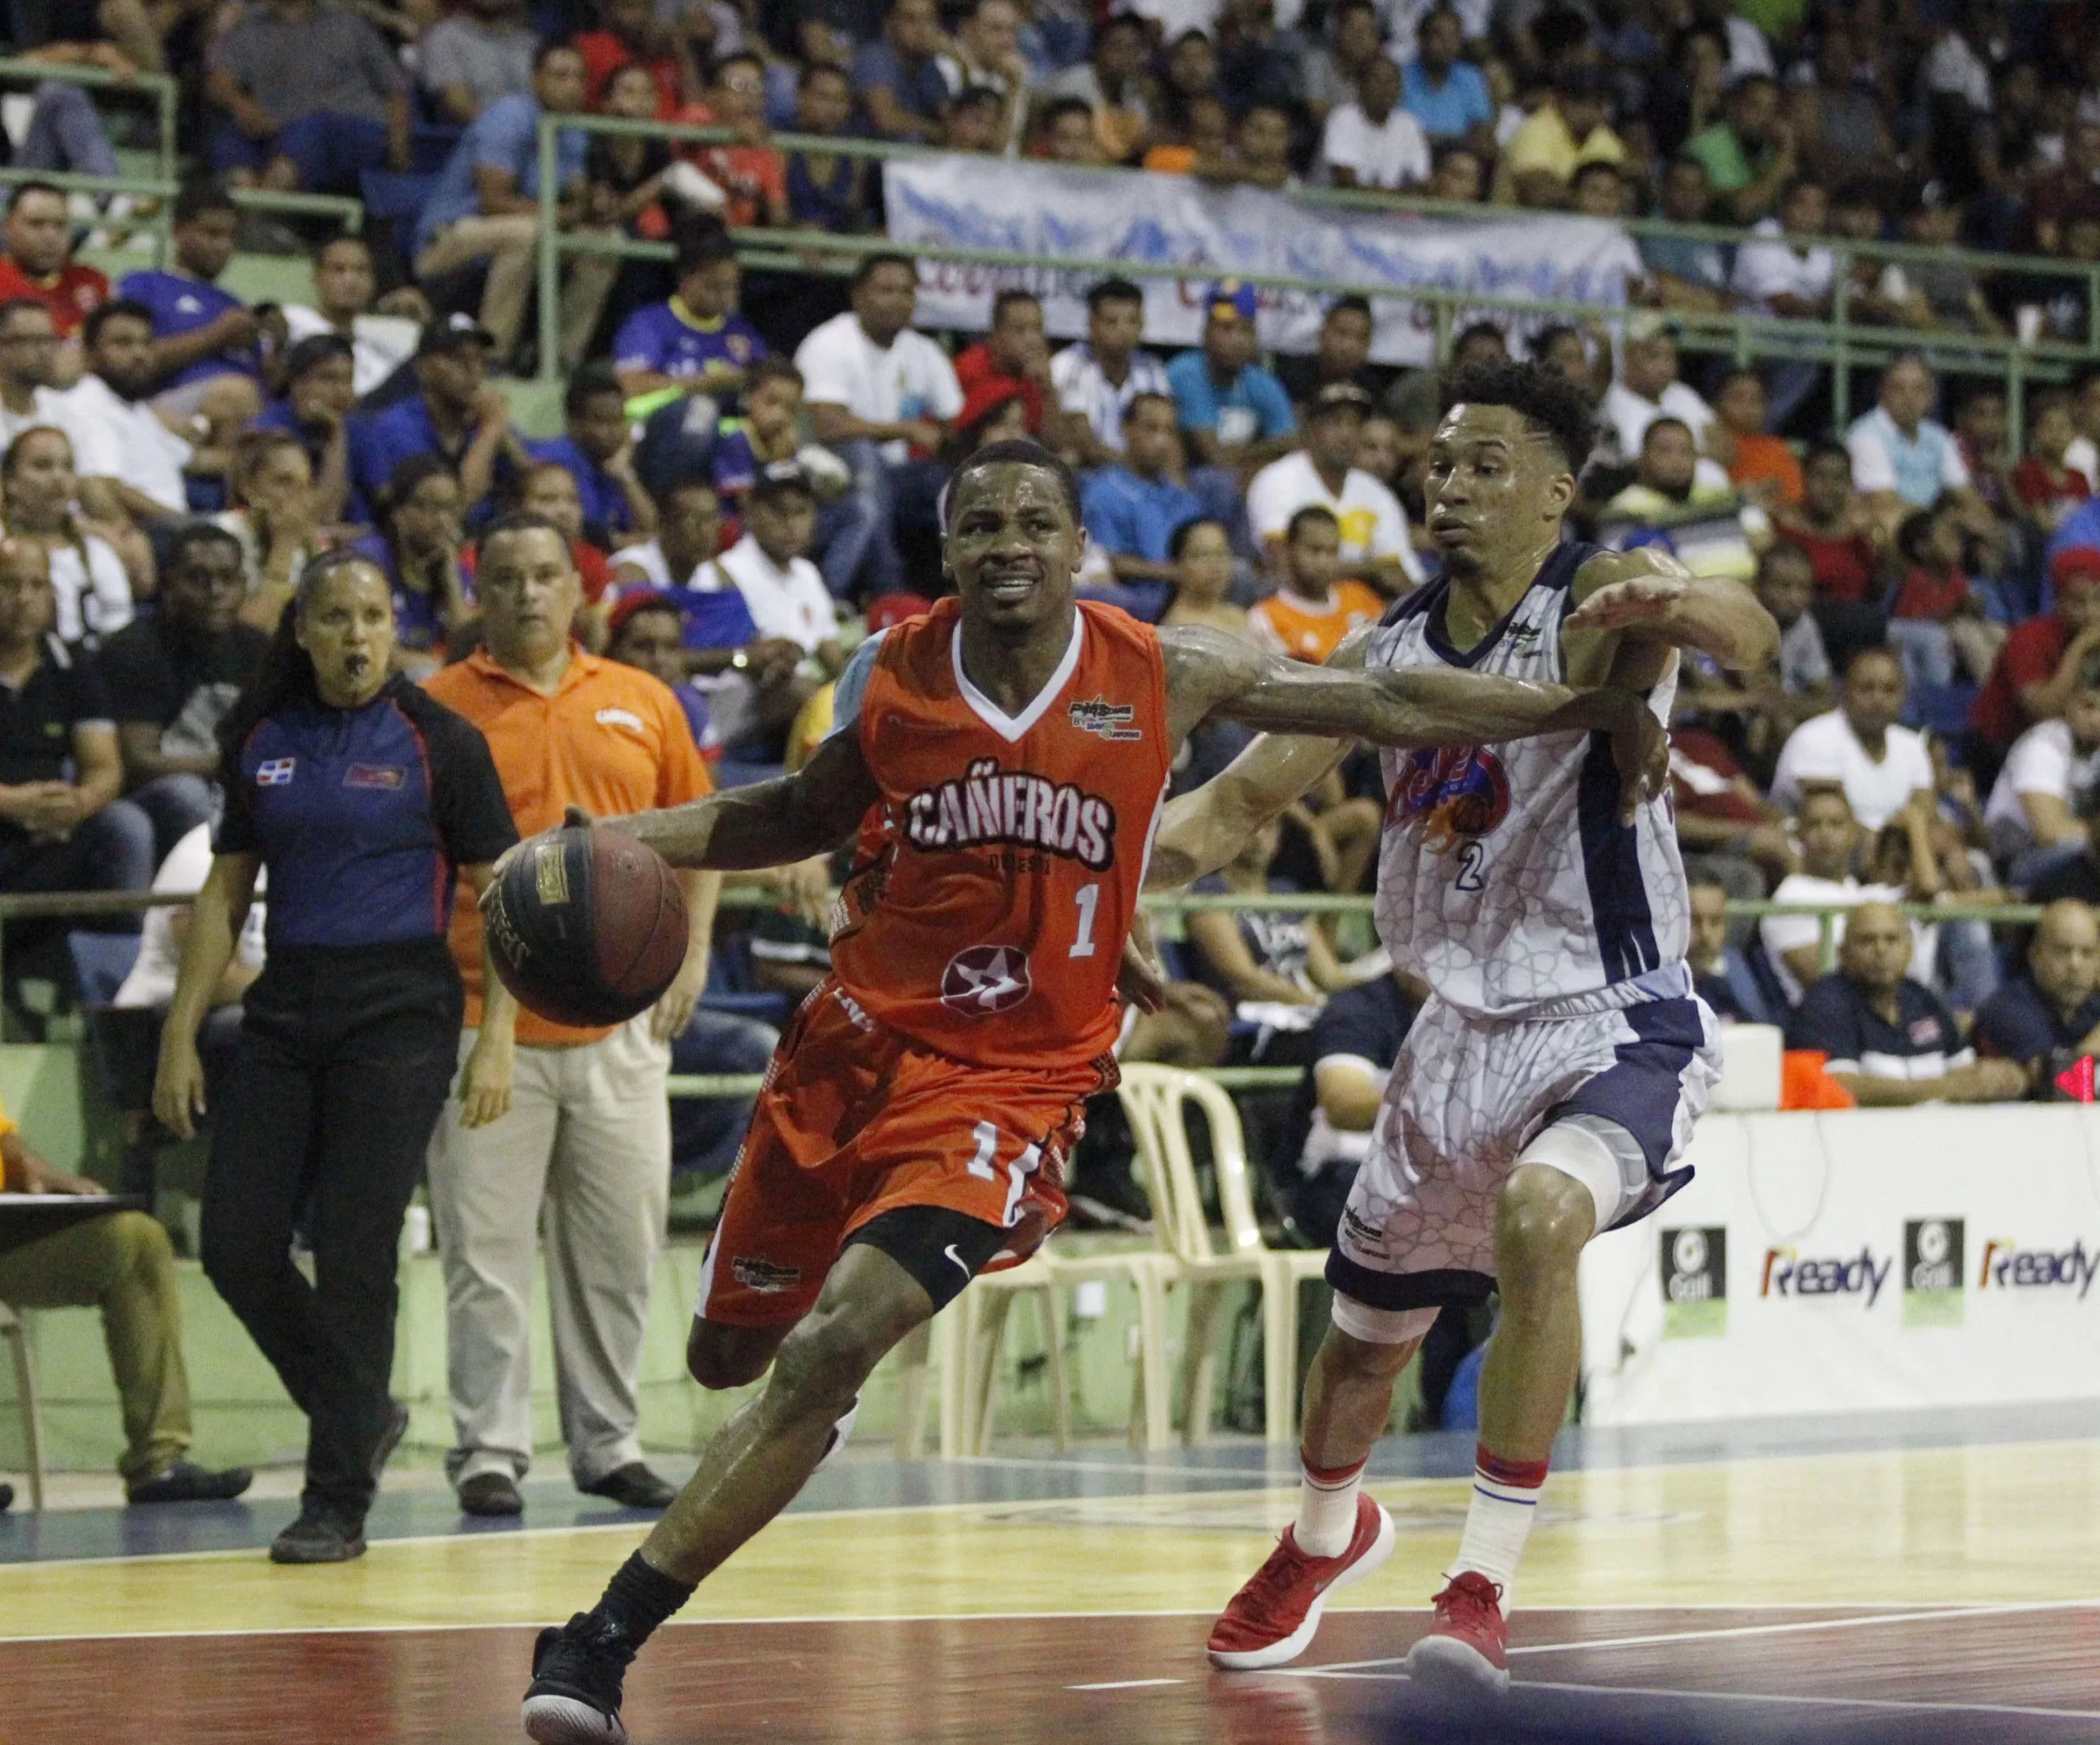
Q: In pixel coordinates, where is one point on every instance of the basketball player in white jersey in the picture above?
(1552, 1079)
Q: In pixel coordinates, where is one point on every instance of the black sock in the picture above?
(639, 1596)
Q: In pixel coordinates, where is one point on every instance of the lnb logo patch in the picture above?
(1933, 1293)
(1694, 1274)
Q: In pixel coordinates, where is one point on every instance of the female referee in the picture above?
(366, 800)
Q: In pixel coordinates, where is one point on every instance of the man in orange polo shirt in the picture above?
(587, 1135)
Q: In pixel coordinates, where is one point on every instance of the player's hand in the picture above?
(1641, 750)
(485, 1081)
(807, 887)
(1143, 980)
(1642, 588)
(179, 1084)
(670, 1015)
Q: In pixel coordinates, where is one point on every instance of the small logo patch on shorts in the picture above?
(763, 1276)
(985, 980)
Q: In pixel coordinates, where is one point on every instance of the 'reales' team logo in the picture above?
(992, 804)
(985, 980)
(1114, 721)
(1453, 791)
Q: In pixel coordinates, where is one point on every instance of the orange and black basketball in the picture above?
(587, 927)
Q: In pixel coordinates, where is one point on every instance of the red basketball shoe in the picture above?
(1466, 1650)
(1271, 1619)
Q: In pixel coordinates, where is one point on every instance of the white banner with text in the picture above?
(1857, 1261)
(1055, 214)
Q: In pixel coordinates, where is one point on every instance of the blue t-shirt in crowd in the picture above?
(668, 338)
(380, 441)
(2022, 1023)
(504, 136)
(1254, 409)
(1127, 515)
(181, 304)
(605, 507)
(1446, 111)
(2080, 527)
(363, 816)
(1835, 1020)
(919, 90)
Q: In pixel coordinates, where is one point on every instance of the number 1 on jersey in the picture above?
(1089, 899)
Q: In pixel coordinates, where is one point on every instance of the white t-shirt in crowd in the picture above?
(1084, 392)
(1782, 933)
(649, 559)
(2044, 760)
(91, 601)
(183, 873)
(2083, 457)
(910, 378)
(380, 345)
(792, 603)
(1824, 748)
(123, 440)
(1392, 153)
(1765, 270)
(1629, 415)
(48, 408)
(1373, 524)
(1873, 441)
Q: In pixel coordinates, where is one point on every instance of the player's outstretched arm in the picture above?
(1648, 595)
(1209, 673)
(1203, 829)
(768, 824)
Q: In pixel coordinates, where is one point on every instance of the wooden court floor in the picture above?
(1884, 1582)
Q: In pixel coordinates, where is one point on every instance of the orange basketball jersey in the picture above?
(994, 883)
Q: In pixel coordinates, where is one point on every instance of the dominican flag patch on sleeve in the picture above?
(275, 772)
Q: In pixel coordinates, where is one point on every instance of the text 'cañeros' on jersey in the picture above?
(991, 805)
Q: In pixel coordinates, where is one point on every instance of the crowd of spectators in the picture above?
(750, 468)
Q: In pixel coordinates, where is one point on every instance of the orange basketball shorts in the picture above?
(855, 1120)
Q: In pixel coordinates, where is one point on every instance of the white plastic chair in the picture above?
(16, 1334)
(1155, 1099)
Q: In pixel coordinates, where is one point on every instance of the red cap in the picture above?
(2075, 563)
(640, 599)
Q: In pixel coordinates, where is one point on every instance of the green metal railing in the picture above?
(163, 90)
(1840, 343)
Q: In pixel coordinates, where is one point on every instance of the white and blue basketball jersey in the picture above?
(1505, 878)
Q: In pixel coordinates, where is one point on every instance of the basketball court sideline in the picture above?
(1907, 1578)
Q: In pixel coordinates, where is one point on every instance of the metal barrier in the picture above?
(163, 90)
(1839, 343)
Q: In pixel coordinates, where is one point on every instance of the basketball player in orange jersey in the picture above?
(1004, 759)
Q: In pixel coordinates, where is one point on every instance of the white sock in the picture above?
(1326, 1507)
(1499, 1520)
(839, 1433)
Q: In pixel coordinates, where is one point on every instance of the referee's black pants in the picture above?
(346, 1057)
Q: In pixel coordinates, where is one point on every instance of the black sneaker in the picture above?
(6, 1497)
(491, 1493)
(389, 1438)
(186, 1482)
(574, 1697)
(319, 1536)
(633, 1486)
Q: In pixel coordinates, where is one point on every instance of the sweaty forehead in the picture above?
(1465, 424)
(1009, 488)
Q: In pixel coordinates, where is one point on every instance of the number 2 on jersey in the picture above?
(1088, 899)
(1471, 858)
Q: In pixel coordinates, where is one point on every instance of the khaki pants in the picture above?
(510, 243)
(583, 1160)
(122, 1265)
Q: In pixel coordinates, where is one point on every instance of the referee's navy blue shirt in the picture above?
(363, 817)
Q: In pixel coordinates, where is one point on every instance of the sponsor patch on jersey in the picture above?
(765, 1276)
(985, 980)
(626, 718)
(275, 772)
(992, 804)
(374, 775)
(1454, 791)
(1097, 715)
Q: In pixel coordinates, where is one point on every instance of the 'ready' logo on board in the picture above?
(2007, 1265)
(1787, 1275)
(992, 804)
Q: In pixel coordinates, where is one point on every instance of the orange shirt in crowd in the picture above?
(1759, 457)
(1306, 631)
(612, 739)
(755, 177)
(604, 54)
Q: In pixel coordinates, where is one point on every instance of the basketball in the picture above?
(587, 928)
